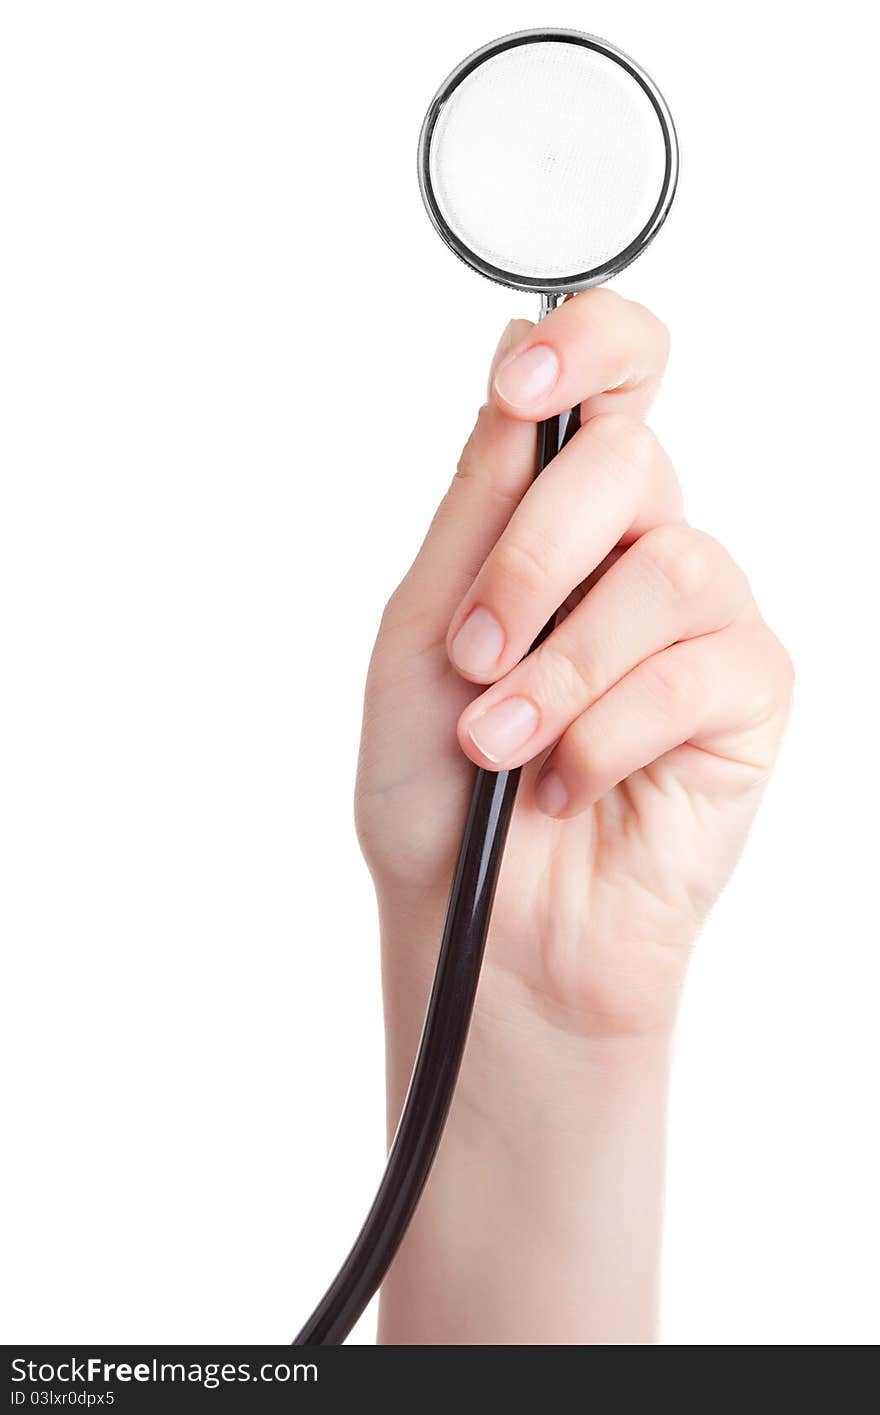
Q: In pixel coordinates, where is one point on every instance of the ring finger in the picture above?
(674, 583)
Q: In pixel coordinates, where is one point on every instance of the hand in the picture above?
(646, 725)
(647, 722)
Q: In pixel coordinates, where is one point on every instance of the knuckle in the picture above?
(524, 562)
(784, 669)
(672, 681)
(654, 334)
(659, 332)
(602, 309)
(685, 559)
(593, 303)
(627, 437)
(765, 667)
(788, 671)
(563, 679)
(631, 447)
(588, 755)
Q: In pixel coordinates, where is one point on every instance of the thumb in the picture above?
(494, 472)
(513, 334)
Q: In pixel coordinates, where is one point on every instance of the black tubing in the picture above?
(445, 1029)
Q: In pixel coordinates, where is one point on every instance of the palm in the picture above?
(593, 915)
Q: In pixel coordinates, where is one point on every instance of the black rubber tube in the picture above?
(445, 1029)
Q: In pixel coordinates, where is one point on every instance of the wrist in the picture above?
(548, 1102)
(531, 1066)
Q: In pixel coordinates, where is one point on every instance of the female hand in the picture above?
(647, 724)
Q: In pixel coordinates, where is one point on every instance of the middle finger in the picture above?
(610, 484)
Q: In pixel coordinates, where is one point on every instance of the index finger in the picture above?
(597, 349)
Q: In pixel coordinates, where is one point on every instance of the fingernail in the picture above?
(504, 728)
(551, 796)
(526, 377)
(477, 646)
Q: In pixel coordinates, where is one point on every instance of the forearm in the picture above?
(541, 1222)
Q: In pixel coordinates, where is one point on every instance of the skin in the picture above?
(657, 706)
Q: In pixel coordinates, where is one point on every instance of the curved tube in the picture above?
(436, 1067)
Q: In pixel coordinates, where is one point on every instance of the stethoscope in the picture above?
(548, 161)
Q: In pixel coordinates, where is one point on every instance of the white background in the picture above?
(237, 368)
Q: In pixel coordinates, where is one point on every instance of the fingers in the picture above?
(611, 483)
(597, 349)
(674, 583)
(602, 342)
(713, 707)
